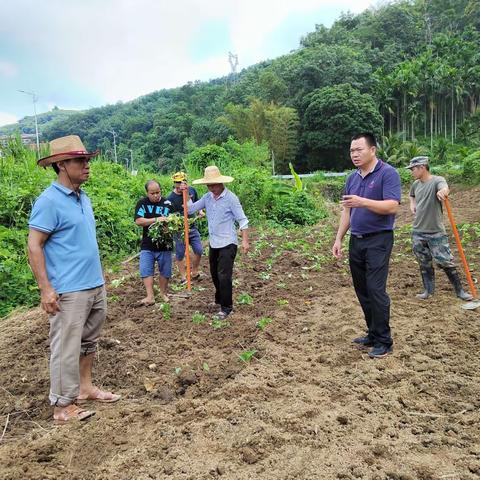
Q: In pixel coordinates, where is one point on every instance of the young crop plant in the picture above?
(264, 276)
(118, 281)
(216, 323)
(198, 318)
(166, 310)
(247, 355)
(263, 322)
(282, 301)
(245, 299)
(177, 287)
(163, 232)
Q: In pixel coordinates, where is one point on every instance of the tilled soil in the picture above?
(308, 405)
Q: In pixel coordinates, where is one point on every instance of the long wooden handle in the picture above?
(473, 290)
(187, 240)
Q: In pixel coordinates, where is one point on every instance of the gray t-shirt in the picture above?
(429, 212)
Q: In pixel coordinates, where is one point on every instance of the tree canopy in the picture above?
(414, 63)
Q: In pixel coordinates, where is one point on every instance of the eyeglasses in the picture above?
(83, 161)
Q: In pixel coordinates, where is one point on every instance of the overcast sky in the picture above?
(78, 54)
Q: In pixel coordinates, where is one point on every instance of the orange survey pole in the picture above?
(187, 240)
(473, 290)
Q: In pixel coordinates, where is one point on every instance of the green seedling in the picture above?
(281, 285)
(269, 263)
(282, 301)
(117, 282)
(245, 299)
(205, 367)
(263, 322)
(265, 276)
(198, 289)
(166, 310)
(177, 370)
(113, 298)
(177, 287)
(247, 355)
(198, 318)
(216, 323)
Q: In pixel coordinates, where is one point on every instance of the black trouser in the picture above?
(221, 270)
(369, 257)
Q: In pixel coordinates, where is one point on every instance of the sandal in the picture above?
(143, 303)
(72, 413)
(221, 315)
(100, 396)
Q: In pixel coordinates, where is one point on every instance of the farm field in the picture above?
(306, 405)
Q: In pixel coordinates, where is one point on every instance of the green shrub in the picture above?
(405, 175)
(16, 278)
(297, 209)
(471, 168)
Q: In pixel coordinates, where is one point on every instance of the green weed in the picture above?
(166, 310)
(247, 355)
(216, 323)
(244, 299)
(263, 322)
(198, 318)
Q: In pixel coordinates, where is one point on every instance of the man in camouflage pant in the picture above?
(429, 238)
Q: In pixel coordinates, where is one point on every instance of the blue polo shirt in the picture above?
(71, 251)
(383, 183)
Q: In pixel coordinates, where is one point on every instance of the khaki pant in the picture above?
(74, 331)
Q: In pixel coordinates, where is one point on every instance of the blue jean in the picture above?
(147, 263)
(195, 242)
(369, 258)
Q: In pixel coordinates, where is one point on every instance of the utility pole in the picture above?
(34, 98)
(131, 159)
(112, 131)
(233, 60)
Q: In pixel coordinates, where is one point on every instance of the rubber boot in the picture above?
(428, 278)
(454, 278)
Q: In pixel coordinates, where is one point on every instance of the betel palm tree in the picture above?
(383, 93)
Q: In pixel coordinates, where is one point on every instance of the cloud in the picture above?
(8, 69)
(121, 49)
(7, 118)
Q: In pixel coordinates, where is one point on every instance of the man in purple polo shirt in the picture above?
(372, 196)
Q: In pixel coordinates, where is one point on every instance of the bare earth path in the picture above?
(307, 406)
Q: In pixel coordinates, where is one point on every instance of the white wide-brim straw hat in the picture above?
(212, 175)
(66, 148)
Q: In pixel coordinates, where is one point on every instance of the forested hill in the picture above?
(27, 124)
(410, 68)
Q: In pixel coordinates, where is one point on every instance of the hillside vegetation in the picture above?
(114, 192)
(408, 70)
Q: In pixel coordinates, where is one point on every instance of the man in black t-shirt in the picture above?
(149, 210)
(176, 197)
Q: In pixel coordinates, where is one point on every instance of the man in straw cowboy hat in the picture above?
(194, 238)
(64, 257)
(429, 237)
(223, 209)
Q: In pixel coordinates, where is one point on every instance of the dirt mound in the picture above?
(308, 405)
